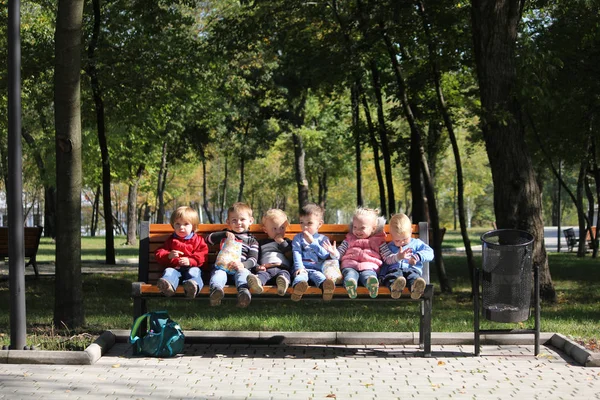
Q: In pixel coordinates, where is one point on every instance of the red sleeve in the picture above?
(162, 253)
(199, 252)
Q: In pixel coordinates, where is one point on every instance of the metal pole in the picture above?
(558, 232)
(16, 248)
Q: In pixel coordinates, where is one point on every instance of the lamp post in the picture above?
(16, 250)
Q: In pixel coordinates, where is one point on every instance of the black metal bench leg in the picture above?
(427, 308)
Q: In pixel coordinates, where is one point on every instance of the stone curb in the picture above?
(86, 357)
(107, 339)
(575, 351)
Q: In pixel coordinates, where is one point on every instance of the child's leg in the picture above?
(256, 282)
(241, 283)
(350, 281)
(368, 278)
(320, 280)
(282, 280)
(169, 281)
(300, 285)
(192, 281)
(218, 279)
(416, 283)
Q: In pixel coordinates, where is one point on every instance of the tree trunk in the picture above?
(517, 197)
(242, 182)
(92, 72)
(160, 185)
(224, 192)
(209, 215)
(132, 207)
(385, 147)
(375, 147)
(437, 78)
(49, 190)
(323, 189)
(357, 145)
(300, 170)
(68, 297)
(582, 221)
(95, 212)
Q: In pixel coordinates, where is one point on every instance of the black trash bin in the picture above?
(506, 275)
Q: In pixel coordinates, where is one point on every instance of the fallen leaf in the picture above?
(331, 396)
(316, 367)
(116, 365)
(368, 384)
(309, 382)
(441, 362)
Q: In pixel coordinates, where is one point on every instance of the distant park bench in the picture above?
(153, 236)
(31, 239)
(573, 241)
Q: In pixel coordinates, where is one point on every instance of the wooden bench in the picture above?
(153, 236)
(31, 238)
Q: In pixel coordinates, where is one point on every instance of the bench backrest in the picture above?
(31, 240)
(152, 236)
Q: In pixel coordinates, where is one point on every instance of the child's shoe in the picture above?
(373, 286)
(190, 288)
(243, 298)
(418, 288)
(350, 285)
(328, 288)
(299, 289)
(216, 295)
(165, 287)
(282, 285)
(255, 284)
(397, 287)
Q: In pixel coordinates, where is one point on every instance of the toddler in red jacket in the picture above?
(182, 254)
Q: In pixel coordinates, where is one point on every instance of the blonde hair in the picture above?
(400, 223)
(272, 214)
(312, 209)
(240, 207)
(371, 212)
(186, 213)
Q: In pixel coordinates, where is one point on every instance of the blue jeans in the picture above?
(219, 278)
(312, 275)
(173, 275)
(360, 277)
(395, 273)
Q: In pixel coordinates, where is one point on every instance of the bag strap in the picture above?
(136, 326)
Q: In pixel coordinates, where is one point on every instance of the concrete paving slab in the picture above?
(220, 371)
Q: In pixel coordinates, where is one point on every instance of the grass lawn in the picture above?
(108, 306)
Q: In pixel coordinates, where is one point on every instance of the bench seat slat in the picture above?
(147, 289)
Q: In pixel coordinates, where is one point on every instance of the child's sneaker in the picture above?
(397, 287)
(282, 285)
(165, 287)
(190, 288)
(328, 288)
(255, 284)
(373, 286)
(299, 289)
(216, 295)
(350, 285)
(418, 288)
(244, 298)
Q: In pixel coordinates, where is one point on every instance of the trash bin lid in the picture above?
(507, 237)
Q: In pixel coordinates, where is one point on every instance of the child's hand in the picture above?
(405, 254)
(308, 237)
(412, 260)
(230, 236)
(331, 249)
(300, 271)
(174, 254)
(184, 261)
(279, 238)
(262, 267)
(236, 265)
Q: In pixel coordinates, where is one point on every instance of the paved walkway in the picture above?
(311, 372)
